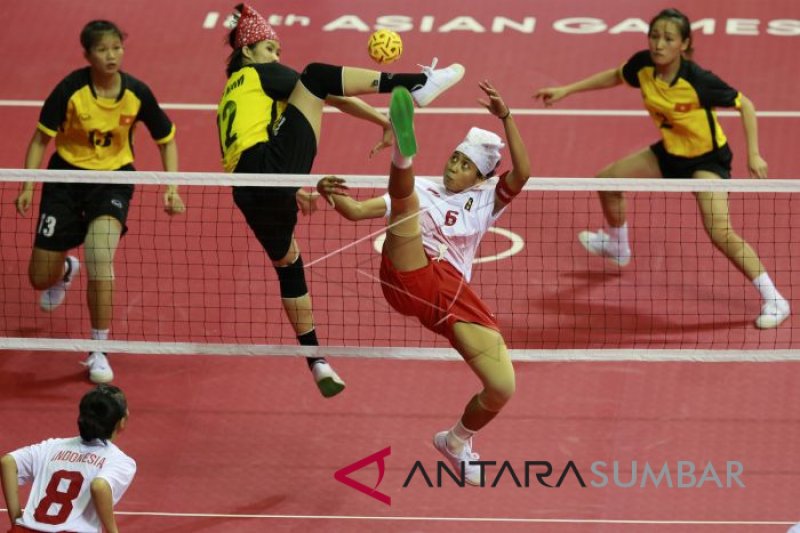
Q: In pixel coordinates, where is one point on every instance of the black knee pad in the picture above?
(292, 279)
(321, 80)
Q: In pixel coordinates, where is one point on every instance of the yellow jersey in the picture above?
(97, 133)
(683, 110)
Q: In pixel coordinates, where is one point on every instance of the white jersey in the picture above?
(453, 224)
(62, 471)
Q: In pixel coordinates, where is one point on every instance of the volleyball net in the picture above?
(201, 283)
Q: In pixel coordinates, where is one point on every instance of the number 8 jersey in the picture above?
(62, 471)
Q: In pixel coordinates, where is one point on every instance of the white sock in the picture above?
(458, 436)
(619, 234)
(399, 160)
(99, 334)
(767, 288)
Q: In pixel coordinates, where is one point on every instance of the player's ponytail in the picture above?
(100, 410)
(235, 59)
(683, 23)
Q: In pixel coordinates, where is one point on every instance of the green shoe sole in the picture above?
(401, 113)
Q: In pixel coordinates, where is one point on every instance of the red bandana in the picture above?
(252, 28)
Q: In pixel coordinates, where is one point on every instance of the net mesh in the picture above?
(201, 279)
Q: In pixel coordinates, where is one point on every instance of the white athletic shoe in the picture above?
(599, 243)
(328, 381)
(438, 82)
(773, 313)
(99, 369)
(472, 473)
(54, 296)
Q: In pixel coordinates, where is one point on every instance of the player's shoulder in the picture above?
(75, 80)
(695, 74)
(641, 59)
(134, 84)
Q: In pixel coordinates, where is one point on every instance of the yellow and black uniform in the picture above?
(92, 133)
(683, 110)
(260, 133)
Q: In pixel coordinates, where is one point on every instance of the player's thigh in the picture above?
(640, 164)
(309, 105)
(713, 205)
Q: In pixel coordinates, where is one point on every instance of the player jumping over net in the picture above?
(269, 120)
(433, 233)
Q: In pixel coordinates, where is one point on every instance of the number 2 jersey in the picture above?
(453, 224)
(683, 110)
(96, 133)
(251, 106)
(62, 471)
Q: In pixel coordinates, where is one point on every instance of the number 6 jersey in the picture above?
(62, 471)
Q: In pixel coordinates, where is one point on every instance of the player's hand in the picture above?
(386, 141)
(306, 201)
(550, 95)
(757, 166)
(495, 104)
(24, 201)
(173, 203)
(331, 185)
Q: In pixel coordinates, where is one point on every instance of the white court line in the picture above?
(459, 110)
(469, 519)
(386, 352)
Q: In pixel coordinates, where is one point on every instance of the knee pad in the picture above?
(406, 223)
(292, 279)
(321, 80)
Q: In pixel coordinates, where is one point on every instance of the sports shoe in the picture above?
(328, 381)
(472, 473)
(773, 313)
(54, 296)
(99, 369)
(401, 115)
(599, 243)
(438, 82)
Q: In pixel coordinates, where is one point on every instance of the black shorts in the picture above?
(672, 166)
(66, 209)
(271, 212)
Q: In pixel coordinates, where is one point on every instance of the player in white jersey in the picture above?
(76, 481)
(431, 240)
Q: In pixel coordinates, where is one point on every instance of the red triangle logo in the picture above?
(342, 475)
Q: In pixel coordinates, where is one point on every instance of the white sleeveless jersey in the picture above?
(62, 471)
(453, 224)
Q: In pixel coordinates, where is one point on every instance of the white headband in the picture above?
(483, 148)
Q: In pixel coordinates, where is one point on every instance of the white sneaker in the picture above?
(54, 296)
(472, 473)
(328, 381)
(599, 243)
(99, 369)
(438, 82)
(773, 313)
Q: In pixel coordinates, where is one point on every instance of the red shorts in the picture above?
(437, 295)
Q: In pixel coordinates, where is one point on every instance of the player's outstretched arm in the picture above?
(601, 80)
(755, 163)
(173, 203)
(104, 504)
(334, 190)
(520, 162)
(8, 469)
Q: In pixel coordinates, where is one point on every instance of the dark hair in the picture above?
(100, 410)
(94, 31)
(236, 58)
(684, 26)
